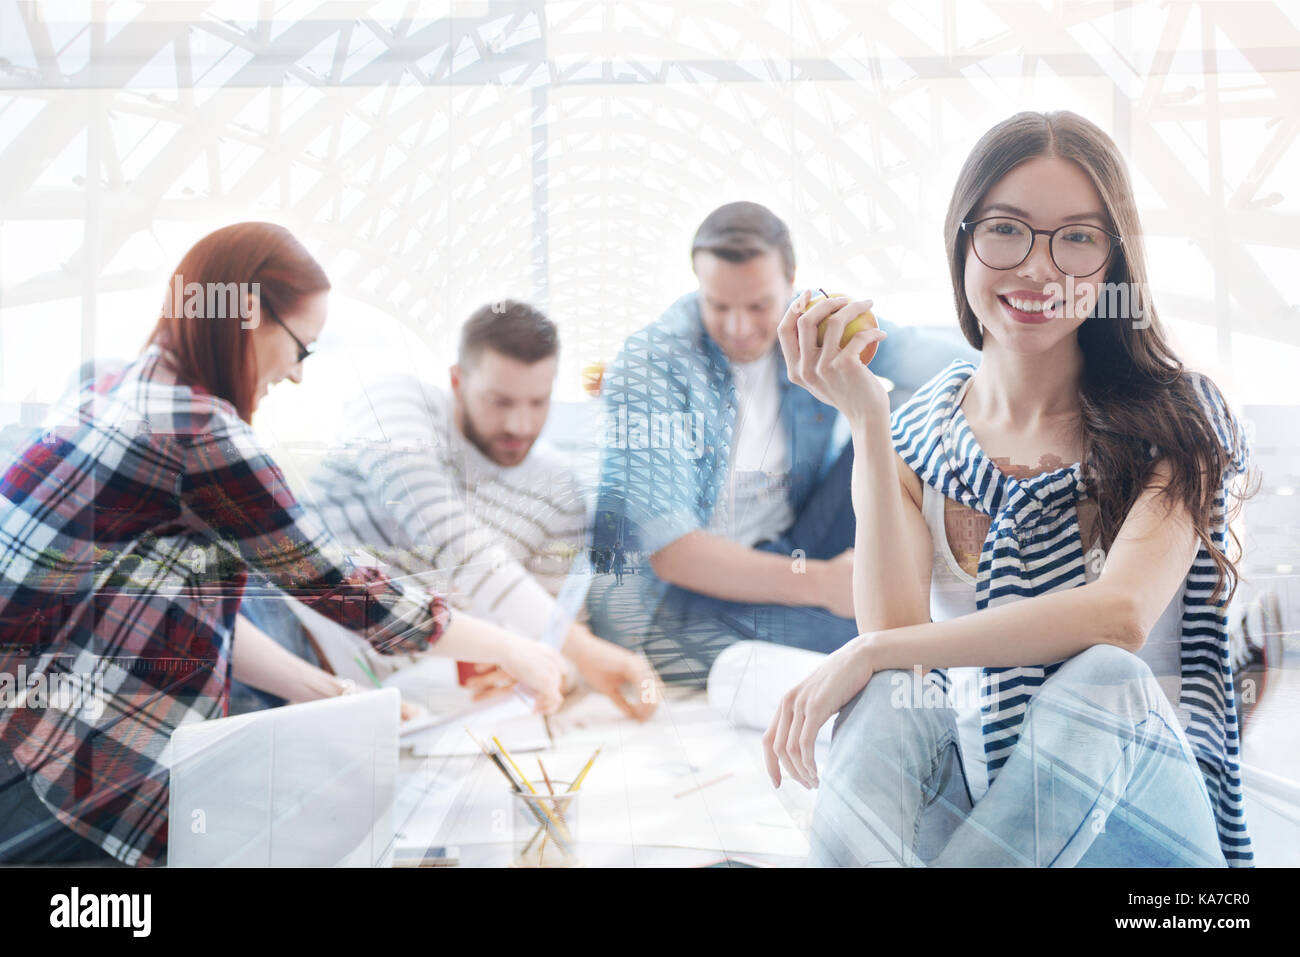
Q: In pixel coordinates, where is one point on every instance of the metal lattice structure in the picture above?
(437, 154)
(425, 151)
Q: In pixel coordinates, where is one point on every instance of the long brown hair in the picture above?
(1135, 390)
(214, 352)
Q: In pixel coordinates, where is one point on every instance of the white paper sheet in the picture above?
(748, 679)
(511, 719)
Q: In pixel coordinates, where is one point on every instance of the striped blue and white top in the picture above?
(1034, 547)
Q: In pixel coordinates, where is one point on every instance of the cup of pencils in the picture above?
(545, 810)
(546, 826)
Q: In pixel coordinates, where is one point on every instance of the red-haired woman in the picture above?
(130, 528)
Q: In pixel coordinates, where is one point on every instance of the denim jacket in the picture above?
(670, 412)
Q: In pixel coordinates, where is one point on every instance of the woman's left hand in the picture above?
(791, 737)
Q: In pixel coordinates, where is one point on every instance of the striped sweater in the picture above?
(410, 491)
(1033, 547)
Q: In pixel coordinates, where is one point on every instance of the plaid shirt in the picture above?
(125, 544)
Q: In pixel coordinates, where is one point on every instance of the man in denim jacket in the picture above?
(734, 482)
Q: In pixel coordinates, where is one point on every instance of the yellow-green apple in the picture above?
(855, 325)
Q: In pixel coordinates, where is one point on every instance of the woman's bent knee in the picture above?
(1105, 665)
(879, 701)
(1109, 677)
(895, 711)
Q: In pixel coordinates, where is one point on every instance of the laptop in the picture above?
(306, 785)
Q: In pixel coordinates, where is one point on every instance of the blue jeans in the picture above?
(1102, 776)
(690, 629)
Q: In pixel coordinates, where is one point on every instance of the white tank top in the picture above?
(952, 594)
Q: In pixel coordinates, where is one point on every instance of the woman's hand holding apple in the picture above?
(834, 370)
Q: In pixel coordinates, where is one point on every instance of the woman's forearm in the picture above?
(262, 663)
(886, 592)
(472, 639)
(1031, 631)
(258, 661)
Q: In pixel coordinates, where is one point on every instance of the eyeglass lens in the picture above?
(1077, 249)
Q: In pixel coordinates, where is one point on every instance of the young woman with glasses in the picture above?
(128, 531)
(1041, 567)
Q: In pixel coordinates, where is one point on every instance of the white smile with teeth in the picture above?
(1025, 305)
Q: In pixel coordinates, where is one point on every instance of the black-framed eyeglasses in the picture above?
(303, 350)
(1077, 249)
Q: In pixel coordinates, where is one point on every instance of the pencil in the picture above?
(562, 806)
(532, 790)
(366, 668)
(578, 783)
(542, 815)
(559, 810)
(514, 785)
(506, 754)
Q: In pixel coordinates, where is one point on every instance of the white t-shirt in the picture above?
(754, 505)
